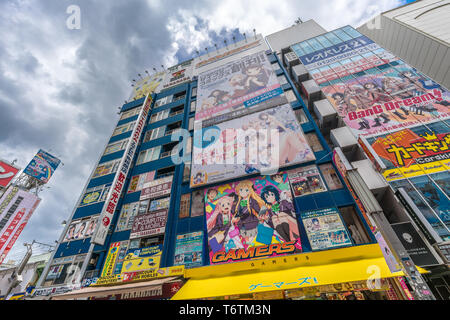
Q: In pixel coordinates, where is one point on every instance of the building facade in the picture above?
(220, 182)
(419, 34)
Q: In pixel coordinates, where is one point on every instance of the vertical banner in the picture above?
(14, 217)
(110, 205)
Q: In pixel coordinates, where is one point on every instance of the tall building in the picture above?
(221, 180)
(419, 34)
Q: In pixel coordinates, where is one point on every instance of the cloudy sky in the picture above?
(60, 88)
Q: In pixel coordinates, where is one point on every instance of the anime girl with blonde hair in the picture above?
(247, 207)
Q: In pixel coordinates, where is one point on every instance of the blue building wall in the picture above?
(175, 225)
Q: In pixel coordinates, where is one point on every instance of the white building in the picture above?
(418, 33)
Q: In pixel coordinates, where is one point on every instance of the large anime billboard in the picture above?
(237, 85)
(373, 91)
(251, 218)
(260, 141)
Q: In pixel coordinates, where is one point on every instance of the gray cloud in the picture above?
(60, 88)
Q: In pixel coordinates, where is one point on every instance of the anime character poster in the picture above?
(239, 84)
(251, 218)
(392, 98)
(251, 144)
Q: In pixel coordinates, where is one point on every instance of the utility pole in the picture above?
(16, 277)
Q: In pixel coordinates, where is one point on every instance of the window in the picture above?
(185, 205)
(106, 168)
(314, 142)
(165, 172)
(193, 106)
(168, 149)
(116, 146)
(154, 133)
(123, 128)
(130, 113)
(306, 180)
(179, 96)
(64, 270)
(149, 155)
(171, 128)
(127, 214)
(301, 116)
(94, 195)
(163, 101)
(176, 111)
(282, 79)
(290, 96)
(191, 123)
(187, 171)
(194, 92)
(354, 225)
(330, 176)
(198, 204)
(159, 116)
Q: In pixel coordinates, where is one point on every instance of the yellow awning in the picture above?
(367, 262)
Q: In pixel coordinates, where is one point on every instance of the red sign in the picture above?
(7, 173)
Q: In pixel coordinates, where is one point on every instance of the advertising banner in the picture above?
(142, 259)
(14, 216)
(189, 250)
(149, 224)
(110, 260)
(94, 196)
(251, 144)
(81, 229)
(325, 229)
(178, 74)
(240, 84)
(413, 243)
(137, 182)
(7, 173)
(42, 166)
(373, 91)
(306, 180)
(251, 218)
(414, 151)
(159, 204)
(147, 85)
(156, 188)
(110, 205)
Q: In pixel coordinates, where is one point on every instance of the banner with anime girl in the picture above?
(240, 84)
(251, 218)
(251, 144)
(380, 100)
